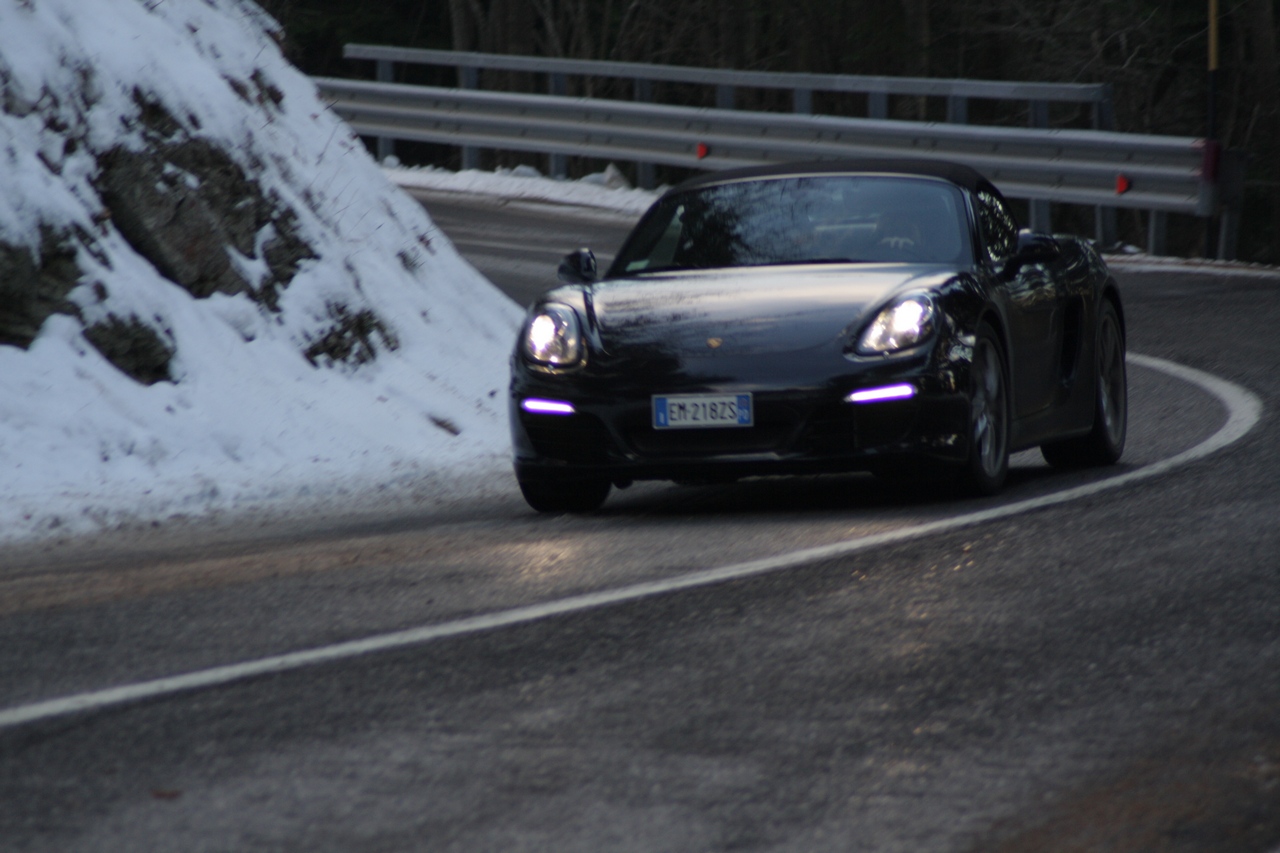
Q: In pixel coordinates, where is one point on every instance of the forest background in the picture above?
(1154, 53)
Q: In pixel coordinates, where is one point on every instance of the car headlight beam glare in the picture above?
(904, 324)
(553, 336)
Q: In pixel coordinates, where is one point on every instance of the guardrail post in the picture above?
(558, 85)
(646, 177)
(385, 74)
(469, 78)
(1104, 118)
(1041, 217)
(1157, 232)
(1228, 234)
(1104, 113)
(802, 101)
(725, 97)
(1231, 195)
(1038, 114)
(877, 104)
(1106, 229)
(957, 109)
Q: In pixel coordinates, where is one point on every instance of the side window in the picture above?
(665, 239)
(999, 231)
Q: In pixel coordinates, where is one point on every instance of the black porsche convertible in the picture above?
(819, 317)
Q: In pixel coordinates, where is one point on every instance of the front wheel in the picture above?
(564, 494)
(1105, 441)
(984, 471)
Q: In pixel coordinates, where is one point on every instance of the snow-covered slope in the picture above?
(211, 298)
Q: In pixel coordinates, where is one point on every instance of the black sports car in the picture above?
(819, 317)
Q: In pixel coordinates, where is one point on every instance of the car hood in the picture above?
(751, 310)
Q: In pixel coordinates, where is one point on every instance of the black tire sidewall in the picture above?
(564, 494)
(974, 477)
(1109, 449)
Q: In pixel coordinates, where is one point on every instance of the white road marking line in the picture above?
(1244, 410)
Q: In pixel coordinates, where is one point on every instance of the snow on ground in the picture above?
(605, 190)
(1140, 262)
(247, 423)
(248, 427)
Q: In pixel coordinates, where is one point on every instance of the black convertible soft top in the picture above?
(957, 173)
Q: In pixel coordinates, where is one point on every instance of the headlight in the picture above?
(553, 336)
(904, 324)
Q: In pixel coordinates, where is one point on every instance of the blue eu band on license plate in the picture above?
(699, 411)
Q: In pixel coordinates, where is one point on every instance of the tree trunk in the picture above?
(462, 25)
(1260, 24)
(917, 26)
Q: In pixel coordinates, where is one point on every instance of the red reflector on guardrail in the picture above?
(702, 150)
(1123, 184)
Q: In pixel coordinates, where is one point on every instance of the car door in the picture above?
(1035, 311)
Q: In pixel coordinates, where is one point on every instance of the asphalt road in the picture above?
(519, 244)
(1098, 674)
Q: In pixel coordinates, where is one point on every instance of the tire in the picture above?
(563, 494)
(984, 472)
(1104, 443)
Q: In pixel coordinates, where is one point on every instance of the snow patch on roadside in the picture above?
(527, 185)
(1145, 263)
(246, 418)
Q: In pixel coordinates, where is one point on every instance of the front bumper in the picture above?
(798, 430)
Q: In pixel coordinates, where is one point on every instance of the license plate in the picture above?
(695, 411)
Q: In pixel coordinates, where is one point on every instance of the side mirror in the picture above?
(578, 267)
(1034, 247)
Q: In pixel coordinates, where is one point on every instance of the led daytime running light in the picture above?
(535, 406)
(902, 391)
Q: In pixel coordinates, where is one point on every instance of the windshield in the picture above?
(813, 219)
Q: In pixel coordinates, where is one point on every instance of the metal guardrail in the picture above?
(1101, 168)
(726, 82)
